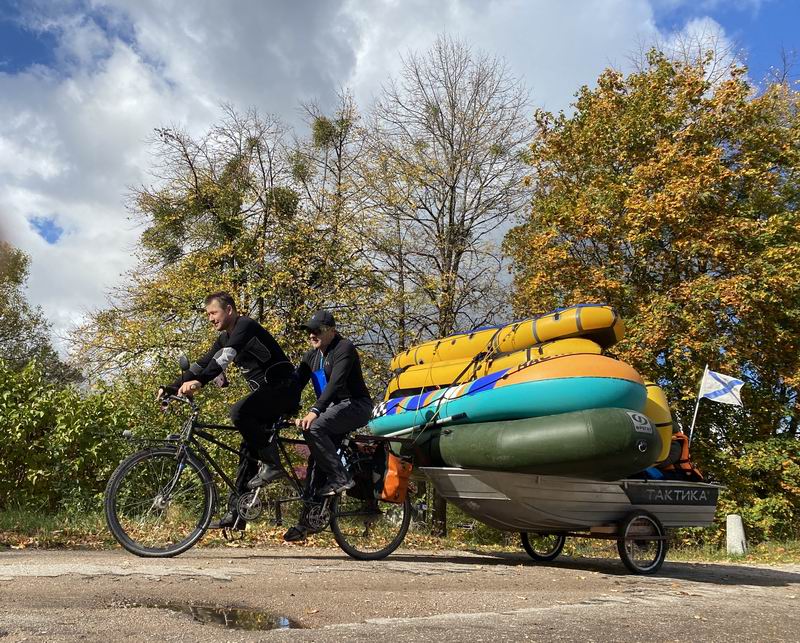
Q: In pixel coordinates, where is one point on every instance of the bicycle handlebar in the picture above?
(166, 399)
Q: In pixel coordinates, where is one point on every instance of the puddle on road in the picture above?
(234, 618)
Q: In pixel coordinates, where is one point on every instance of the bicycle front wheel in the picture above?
(369, 529)
(159, 504)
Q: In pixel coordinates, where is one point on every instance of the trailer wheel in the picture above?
(642, 544)
(542, 547)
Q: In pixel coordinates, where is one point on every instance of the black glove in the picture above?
(167, 389)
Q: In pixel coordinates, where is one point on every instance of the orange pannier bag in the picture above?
(395, 480)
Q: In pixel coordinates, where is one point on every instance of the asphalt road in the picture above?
(411, 596)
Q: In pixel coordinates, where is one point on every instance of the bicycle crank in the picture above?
(250, 506)
(317, 517)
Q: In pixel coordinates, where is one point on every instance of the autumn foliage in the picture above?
(675, 200)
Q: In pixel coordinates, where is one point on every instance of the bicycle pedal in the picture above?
(227, 534)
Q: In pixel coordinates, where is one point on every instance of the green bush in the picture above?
(762, 484)
(56, 447)
(60, 444)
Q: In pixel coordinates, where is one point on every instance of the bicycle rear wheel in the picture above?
(157, 505)
(369, 529)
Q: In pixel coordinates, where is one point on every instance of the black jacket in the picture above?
(251, 347)
(342, 368)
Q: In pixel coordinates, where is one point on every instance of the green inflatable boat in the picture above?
(599, 444)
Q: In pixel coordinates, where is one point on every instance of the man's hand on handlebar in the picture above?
(188, 389)
(164, 391)
(305, 423)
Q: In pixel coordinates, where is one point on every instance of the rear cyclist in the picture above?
(273, 386)
(343, 403)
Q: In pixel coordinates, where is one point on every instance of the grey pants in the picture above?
(326, 432)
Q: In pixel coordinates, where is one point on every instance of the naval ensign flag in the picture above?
(721, 388)
(718, 388)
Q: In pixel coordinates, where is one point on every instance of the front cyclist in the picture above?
(274, 390)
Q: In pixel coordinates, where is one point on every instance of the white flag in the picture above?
(721, 388)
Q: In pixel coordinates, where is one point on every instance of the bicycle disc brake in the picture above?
(250, 506)
(317, 517)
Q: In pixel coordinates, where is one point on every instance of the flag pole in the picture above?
(697, 405)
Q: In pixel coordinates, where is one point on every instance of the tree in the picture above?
(674, 198)
(445, 170)
(326, 170)
(24, 331)
(240, 208)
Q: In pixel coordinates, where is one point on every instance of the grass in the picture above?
(23, 529)
(762, 553)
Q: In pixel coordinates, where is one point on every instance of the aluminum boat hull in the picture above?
(531, 502)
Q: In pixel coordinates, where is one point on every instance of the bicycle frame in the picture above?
(193, 430)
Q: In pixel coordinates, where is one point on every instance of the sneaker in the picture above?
(346, 486)
(299, 532)
(230, 520)
(296, 534)
(266, 474)
(336, 487)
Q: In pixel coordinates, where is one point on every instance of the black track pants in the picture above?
(254, 416)
(334, 422)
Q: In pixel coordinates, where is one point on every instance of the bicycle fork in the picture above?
(162, 499)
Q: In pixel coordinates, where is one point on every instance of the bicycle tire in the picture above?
(348, 515)
(542, 550)
(642, 545)
(155, 469)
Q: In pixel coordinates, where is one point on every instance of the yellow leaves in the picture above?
(672, 200)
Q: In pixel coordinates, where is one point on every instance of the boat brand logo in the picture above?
(641, 424)
(671, 495)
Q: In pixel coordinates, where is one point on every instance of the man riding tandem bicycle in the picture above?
(160, 500)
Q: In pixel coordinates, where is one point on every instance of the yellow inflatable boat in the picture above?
(656, 408)
(596, 322)
(457, 371)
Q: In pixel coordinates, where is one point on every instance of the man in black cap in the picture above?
(343, 401)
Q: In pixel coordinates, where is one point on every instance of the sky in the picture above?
(83, 84)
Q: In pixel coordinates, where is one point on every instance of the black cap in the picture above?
(320, 318)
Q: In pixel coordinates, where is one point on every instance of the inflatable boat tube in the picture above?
(414, 379)
(599, 444)
(597, 322)
(546, 387)
(656, 408)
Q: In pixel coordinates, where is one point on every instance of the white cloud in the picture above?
(702, 36)
(73, 138)
(554, 47)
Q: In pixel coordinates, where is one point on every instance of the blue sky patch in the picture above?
(762, 29)
(30, 34)
(47, 228)
(21, 47)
